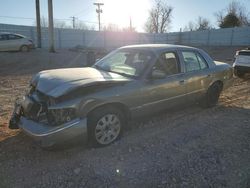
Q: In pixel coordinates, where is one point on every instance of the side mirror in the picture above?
(158, 74)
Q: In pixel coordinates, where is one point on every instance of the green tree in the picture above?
(235, 15)
(230, 20)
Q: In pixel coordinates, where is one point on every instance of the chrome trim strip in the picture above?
(163, 100)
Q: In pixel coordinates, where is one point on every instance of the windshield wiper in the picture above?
(123, 74)
(99, 67)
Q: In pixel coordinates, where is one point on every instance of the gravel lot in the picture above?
(189, 147)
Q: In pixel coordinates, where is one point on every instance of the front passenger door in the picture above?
(167, 90)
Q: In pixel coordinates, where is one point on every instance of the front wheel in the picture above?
(24, 48)
(212, 95)
(105, 126)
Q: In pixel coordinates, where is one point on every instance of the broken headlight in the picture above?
(61, 116)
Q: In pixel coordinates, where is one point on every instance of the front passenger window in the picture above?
(4, 37)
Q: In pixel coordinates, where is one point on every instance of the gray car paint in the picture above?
(137, 96)
(59, 82)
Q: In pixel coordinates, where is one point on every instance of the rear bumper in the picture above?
(242, 68)
(31, 46)
(48, 135)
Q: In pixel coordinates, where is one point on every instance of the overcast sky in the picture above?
(22, 12)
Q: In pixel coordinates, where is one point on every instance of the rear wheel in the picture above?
(24, 48)
(105, 126)
(212, 95)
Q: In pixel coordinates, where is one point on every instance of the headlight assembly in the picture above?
(61, 116)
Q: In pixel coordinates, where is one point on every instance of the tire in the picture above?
(105, 126)
(212, 95)
(238, 73)
(24, 48)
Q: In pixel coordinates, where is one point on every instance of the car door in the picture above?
(4, 42)
(14, 42)
(197, 74)
(167, 89)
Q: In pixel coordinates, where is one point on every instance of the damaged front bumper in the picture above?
(48, 135)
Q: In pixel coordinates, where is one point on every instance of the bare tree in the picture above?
(111, 27)
(235, 15)
(129, 29)
(60, 24)
(44, 22)
(116, 28)
(81, 25)
(159, 18)
(57, 23)
(190, 26)
(203, 24)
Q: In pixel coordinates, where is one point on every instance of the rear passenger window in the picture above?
(202, 62)
(194, 61)
(13, 37)
(168, 63)
(246, 53)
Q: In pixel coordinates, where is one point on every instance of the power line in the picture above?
(85, 14)
(83, 11)
(66, 19)
(13, 17)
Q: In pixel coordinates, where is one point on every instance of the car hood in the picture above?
(58, 82)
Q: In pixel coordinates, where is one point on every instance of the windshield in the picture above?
(127, 62)
(246, 53)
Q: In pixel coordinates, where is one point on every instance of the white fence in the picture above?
(66, 38)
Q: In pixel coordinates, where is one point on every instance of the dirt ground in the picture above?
(190, 147)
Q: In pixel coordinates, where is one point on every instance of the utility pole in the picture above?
(51, 27)
(38, 25)
(130, 24)
(74, 21)
(99, 11)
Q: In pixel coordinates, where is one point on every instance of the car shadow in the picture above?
(21, 142)
(19, 153)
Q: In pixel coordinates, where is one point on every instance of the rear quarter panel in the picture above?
(223, 72)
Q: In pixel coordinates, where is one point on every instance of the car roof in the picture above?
(157, 47)
(161, 48)
(6, 33)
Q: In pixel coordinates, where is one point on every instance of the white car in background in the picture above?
(15, 42)
(242, 62)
